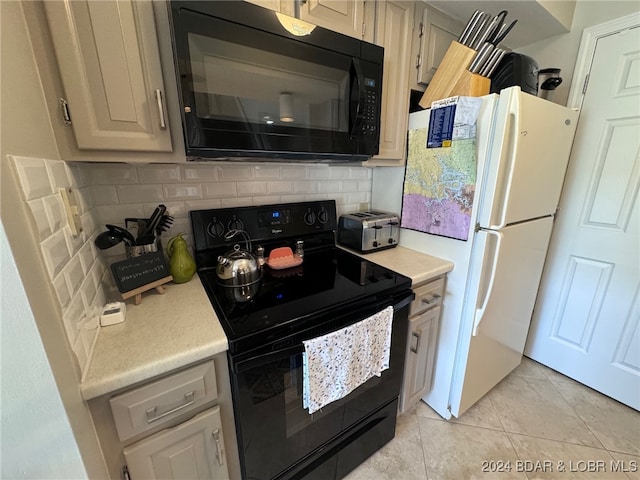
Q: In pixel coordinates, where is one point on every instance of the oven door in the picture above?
(278, 438)
(247, 91)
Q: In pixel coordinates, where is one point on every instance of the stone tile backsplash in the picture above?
(107, 193)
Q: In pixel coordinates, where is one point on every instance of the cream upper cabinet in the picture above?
(109, 62)
(349, 17)
(274, 5)
(394, 23)
(432, 36)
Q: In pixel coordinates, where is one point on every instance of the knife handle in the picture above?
(481, 57)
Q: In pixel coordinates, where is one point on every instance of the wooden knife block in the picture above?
(452, 77)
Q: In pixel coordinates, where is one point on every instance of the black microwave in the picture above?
(256, 84)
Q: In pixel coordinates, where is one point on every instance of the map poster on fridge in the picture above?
(440, 176)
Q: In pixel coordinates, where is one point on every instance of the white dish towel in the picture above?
(337, 363)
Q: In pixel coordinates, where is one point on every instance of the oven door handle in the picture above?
(266, 358)
(274, 356)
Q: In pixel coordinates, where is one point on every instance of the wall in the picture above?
(561, 51)
(26, 131)
(28, 386)
(121, 191)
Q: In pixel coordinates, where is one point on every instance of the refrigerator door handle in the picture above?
(479, 314)
(508, 152)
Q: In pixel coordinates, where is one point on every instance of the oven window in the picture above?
(247, 84)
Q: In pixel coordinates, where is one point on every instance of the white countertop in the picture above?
(167, 332)
(161, 334)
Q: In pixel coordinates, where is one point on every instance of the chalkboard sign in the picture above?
(135, 272)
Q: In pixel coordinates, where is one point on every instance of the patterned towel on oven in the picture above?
(337, 363)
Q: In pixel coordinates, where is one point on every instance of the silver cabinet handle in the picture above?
(417, 335)
(219, 454)
(433, 298)
(152, 415)
(163, 124)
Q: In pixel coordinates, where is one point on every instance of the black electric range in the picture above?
(329, 278)
(331, 289)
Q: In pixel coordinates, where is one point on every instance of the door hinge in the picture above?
(364, 29)
(418, 61)
(125, 473)
(421, 33)
(64, 109)
(586, 82)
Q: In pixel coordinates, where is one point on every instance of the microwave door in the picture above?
(250, 92)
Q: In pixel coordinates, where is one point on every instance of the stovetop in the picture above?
(330, 281)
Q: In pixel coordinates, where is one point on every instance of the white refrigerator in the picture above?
(523, 146)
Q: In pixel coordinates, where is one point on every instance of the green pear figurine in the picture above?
(181, 264)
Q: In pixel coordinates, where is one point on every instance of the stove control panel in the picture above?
(262, 223)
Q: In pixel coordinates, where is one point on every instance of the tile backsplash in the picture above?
(121, 190)
(75, 269)
(107, 193)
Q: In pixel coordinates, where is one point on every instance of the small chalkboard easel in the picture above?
(137, 275)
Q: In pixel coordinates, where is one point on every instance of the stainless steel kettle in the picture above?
(239, 267)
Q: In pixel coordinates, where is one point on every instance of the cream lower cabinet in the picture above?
(109, 61)
(424, 320)
(177, 426)
(194, 449)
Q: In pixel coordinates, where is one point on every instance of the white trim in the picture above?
(590, 37)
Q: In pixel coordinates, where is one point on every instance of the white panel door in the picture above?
(528, 159)
(505, 274)
(586, 318)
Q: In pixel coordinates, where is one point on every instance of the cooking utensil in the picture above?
(466, 32)
(164, 224)
(478, 30)
(107, 239)
(481, 57)
(488, 30)
(238, 268)
(147, 235)
(493, 63)
(127, 236)
(504, 31)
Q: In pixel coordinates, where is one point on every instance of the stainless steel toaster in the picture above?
(369, 231)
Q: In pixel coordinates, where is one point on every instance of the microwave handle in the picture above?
(355, 117)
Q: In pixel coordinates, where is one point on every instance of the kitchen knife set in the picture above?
(483, 33)
(148, 230)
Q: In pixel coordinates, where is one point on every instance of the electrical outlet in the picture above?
(73, 211)
(364, 206)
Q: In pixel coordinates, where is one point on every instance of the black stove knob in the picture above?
(310, 217)
(323, 216)
(215, 229)
(236, 224)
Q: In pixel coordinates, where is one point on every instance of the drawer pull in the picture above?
(417, 335)
(216, 439)
(152, 415)
(434, 298)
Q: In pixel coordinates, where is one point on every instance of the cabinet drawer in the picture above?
(144, 408)
(427, 296)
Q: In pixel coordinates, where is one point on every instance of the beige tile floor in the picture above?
(535, 424)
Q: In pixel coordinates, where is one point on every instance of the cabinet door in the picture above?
(344, 16)
(433, 34)
(394, 20)
(270, 4)
(421, 347)
(109, 62)
(194, 449)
